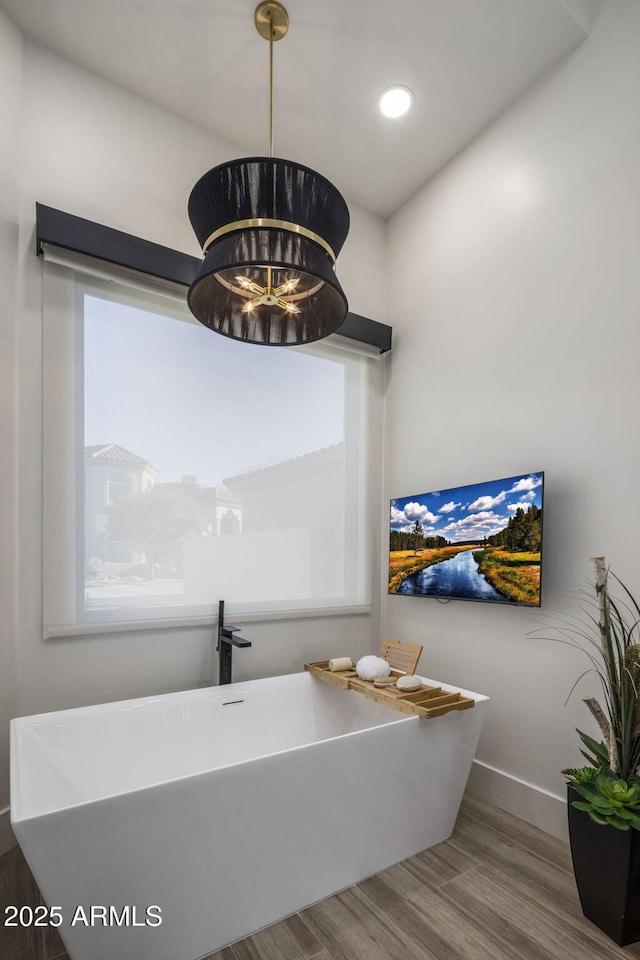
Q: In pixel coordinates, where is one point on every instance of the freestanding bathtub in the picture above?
(167, 827)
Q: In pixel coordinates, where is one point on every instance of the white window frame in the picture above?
(66, 278)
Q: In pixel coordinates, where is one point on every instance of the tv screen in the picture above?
(478, 542)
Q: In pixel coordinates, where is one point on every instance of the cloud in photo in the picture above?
(486, 503)
(527, 483)
(404, 520)
(519, 506)
(476, 526)
(417, 511)
(397, 516)
(449, 507)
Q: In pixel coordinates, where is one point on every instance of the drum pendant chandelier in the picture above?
(270, 232)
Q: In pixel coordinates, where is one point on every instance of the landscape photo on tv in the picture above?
(478, 542)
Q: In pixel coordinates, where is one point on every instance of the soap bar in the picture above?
(384, 682)
(409, 683)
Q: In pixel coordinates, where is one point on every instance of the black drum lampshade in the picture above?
(270, 231)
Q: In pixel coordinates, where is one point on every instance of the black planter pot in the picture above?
(606, 863)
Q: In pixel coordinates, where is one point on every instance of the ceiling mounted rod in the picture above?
(271, 95)
(272, 23)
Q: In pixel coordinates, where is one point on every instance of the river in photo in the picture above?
(457, 577)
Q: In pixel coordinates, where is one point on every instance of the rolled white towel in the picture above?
(340, 663)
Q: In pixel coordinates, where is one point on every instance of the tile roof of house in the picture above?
(112, 451)
(308, 459)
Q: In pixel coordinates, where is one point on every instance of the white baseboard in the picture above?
(7, 836)
(522, 799)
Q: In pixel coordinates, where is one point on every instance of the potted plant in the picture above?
(604, 797)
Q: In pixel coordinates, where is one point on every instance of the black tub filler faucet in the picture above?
(225, 641)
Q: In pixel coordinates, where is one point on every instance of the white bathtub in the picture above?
(225, 815)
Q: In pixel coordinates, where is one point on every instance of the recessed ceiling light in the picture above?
(395, 101)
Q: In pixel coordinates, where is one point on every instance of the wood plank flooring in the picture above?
(18, 887)
(499, 889)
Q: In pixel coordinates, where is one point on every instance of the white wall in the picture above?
(517, 350)
(582, 11)
(10, 94)
(94, 150)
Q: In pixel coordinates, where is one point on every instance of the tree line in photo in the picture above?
(522, 534)
(415, 540)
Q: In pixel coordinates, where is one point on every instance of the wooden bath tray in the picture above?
(426, 702)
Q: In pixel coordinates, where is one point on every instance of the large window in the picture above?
(182, 467)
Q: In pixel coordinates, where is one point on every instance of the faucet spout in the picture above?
(226, 640)
(240, 642)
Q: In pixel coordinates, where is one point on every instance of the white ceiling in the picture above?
(465, 60)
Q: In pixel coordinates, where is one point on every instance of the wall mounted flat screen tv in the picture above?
(478, 542)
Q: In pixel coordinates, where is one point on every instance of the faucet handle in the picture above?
(230, 629)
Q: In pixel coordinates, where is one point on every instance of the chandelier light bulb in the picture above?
(395, 101)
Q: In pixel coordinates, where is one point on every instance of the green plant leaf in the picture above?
(618, 823)
(598, 819)
(581, 774)
(597, 748)
(587, 790)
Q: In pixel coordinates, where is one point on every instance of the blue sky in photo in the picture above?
(468, 513)
(192, 402)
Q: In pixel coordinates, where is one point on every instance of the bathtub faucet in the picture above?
(225, 641)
